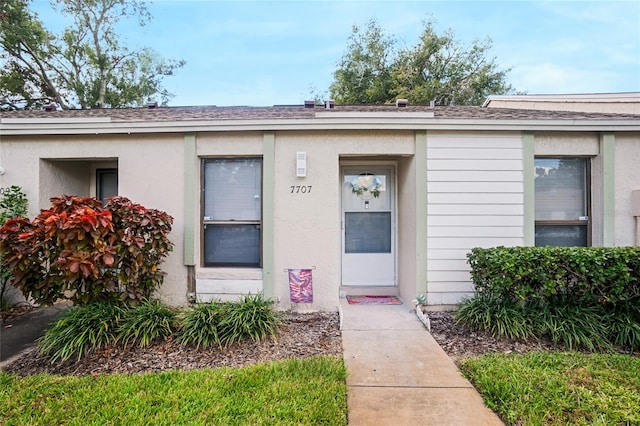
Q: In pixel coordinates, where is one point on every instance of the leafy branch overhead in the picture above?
(438, 68)
(86, 66)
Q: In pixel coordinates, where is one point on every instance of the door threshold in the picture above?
(369, 291)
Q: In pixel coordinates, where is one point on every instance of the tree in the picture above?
(86, 66)
(438, 68)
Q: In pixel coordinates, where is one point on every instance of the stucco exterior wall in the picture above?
(475, 197)
(597, 107)
(308, 225)
(149, 169)
(627, 179)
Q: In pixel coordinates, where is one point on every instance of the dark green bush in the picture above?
(582, 297)
(145, 323)
(578, 275)
(82, 329)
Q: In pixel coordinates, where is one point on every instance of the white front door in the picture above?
(368, 226)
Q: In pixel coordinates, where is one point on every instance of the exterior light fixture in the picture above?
(301, 164)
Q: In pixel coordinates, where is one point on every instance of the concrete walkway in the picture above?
(19, 334)
(399, 375)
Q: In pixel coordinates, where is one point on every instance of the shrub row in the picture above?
(582, 297)
(589, 276)
(88, 328)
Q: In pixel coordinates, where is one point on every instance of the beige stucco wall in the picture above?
(596, 107)
(308, 226)
(307, 229)
(150, 174)
(307, 222)
(627, 179)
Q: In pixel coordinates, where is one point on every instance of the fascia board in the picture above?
(335, 123)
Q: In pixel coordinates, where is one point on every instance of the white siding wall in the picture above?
(475, 199)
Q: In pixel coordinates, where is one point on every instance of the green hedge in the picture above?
(585, 276)
(581, 297)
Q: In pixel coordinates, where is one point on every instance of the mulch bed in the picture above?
(301, 335)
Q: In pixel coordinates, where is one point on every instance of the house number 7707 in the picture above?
(300, 189)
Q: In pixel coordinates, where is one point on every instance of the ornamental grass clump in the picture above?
(201, 325)
(253, 317)
(82, 329)
(146, 323)
(501, 318)
(576, 327)
(221, 324)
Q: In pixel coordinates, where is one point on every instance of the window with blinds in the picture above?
(562, 200)
(232, 211)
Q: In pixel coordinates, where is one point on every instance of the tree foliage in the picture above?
(80, 251)
(84, 67)
(13, 203)
(437, 68)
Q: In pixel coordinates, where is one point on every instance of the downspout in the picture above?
(635, 211)
(189, 206)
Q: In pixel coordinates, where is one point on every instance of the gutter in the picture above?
(409, 122)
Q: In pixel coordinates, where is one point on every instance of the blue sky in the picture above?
(283, 52)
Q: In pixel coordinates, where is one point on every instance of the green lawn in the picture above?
(559, 388)
(307, 391)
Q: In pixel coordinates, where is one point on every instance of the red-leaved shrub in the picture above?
(84, 252)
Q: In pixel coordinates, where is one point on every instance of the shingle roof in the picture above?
(200, 113)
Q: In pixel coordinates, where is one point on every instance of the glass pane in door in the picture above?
(368, 232)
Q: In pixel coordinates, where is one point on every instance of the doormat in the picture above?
(373, 300)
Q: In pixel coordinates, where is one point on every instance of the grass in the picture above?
(559, 388)
(305, 391)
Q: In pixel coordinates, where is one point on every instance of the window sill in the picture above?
(222, 273)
